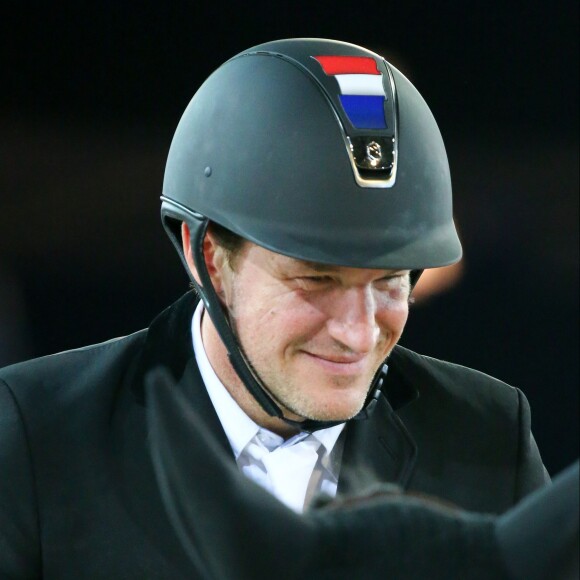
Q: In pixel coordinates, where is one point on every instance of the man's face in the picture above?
(314, 334)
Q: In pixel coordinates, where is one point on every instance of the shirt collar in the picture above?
(239, 428)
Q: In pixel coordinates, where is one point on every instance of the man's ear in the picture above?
(212, 253)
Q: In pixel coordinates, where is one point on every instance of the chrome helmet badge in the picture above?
(374, 153)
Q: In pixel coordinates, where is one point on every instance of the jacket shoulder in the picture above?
(473, 432)
(57, 376)
(444, 380)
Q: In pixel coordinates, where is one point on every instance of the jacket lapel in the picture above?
(167, 345)
(377, 450)
(380, 449)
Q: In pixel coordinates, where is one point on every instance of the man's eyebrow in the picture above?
(318, 267)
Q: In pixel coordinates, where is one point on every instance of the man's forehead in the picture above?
(285, 262)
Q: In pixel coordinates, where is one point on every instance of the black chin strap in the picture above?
(237, 357)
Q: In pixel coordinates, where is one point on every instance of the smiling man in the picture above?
(315, 334)
(306, 189)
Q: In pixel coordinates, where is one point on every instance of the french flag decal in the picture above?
(361, 89)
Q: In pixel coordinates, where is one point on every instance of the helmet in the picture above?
(315, 149)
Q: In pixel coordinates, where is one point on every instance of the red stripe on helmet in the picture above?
(337, 65)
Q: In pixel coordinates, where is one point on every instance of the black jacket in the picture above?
(78, 493)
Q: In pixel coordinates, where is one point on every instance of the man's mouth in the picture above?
(338, 364)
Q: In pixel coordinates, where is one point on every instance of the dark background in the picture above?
(91, 93)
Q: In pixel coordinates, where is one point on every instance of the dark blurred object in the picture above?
(539, 537)
(384, 533)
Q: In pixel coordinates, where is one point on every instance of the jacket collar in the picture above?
(168, 341)
(169, 345)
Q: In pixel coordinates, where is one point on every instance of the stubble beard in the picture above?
(296, 401)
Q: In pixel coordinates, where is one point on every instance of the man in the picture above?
(306, 188)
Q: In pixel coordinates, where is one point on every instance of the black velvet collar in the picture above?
(168, 343)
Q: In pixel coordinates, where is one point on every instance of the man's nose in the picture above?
(352, 320)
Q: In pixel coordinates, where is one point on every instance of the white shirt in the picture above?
(294, 470)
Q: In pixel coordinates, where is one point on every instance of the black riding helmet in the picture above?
(315, 149)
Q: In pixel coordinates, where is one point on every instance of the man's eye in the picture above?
(313, 281)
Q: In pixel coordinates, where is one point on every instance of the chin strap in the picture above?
(198, 225)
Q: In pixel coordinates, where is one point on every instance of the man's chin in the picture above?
(334, 413)
(334, 403)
